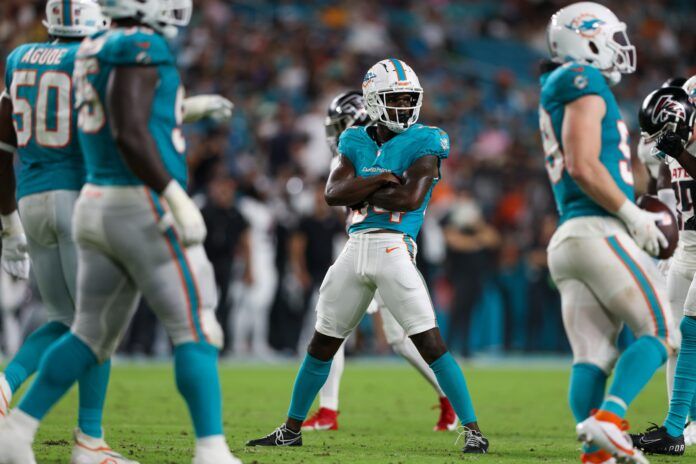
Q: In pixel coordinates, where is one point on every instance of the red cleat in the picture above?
(323, 419)
(448, 419)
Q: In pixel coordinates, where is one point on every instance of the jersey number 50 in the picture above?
(30, 121)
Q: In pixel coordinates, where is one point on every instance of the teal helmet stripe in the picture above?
(67, 13)
(399, 69)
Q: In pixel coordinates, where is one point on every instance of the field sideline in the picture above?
(386, 416)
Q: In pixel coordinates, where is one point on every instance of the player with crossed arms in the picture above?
(600, 255)
(136, 228)
(387, 172)
(348, 110)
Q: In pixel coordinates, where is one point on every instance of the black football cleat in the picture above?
(475, 442)
(282, 436)
(656, 440)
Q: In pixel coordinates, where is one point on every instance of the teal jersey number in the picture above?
(395, 156)
(39, 81)
(559, 88)
(96, 60)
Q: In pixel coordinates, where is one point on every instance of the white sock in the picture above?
(328, 395)
(211, 443)
(23, 423)
(408, 350)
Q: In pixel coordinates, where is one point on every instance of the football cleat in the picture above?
(608, 432)
(90, 450)
(656, 440)
(690, 434)
(448, 418)
(282, 436)
(474, 441)
(15, 446)
(323, 419)
(597, 457)
(5, 396)
(217, 456)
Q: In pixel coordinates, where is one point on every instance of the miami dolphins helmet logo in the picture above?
(587, 25)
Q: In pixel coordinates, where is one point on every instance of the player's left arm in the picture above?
(8, 145)
(416, 182)
(130, 94)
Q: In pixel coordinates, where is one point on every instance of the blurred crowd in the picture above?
(260, 179)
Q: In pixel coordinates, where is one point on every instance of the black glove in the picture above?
(671, 143)
(690, 224)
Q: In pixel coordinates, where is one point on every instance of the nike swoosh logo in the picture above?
(389, 250)
(643, 441)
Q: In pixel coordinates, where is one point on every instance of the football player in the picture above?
(37, 122)
(667, 120)
(136, 228)
(599, 257)
(348, 110)
(387, 172)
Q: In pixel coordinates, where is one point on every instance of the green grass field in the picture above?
(386, 417)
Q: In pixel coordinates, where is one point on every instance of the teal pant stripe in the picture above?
(67, 13)
(399, 69)
(172, 239)
(644, 283)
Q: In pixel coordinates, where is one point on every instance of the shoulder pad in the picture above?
(572, 81)
(349, 139)
(431, 141)
(136, 46)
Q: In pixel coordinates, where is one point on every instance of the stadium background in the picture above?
(280, 63)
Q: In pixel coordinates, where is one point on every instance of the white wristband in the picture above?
(7, 147)
(174, 194)
(11, 223)
(629, 212)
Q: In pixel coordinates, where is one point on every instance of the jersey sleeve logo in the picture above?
(444, 142)
(580, 81)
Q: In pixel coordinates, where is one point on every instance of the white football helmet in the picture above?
(392, 76)
(690, 87)
(590, 33)
(74, 18)
(163, 16)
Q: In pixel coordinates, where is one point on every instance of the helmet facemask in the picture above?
(387, 111)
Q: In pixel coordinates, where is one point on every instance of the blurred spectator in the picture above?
(228, 237)
(470, 241)
(312, 249)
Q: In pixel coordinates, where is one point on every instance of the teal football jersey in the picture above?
(38, 77)
(395, 156)
(559, 88)
(96, 59)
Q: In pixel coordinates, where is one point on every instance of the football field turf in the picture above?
(386, 416)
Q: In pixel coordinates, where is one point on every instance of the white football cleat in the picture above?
(15, 446)
(690, 434)
(608, 432)
(90, 450)
(5, 397)
(215, 456)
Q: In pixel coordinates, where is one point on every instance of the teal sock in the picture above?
(27, 359)
(634, 370)
(93, 385)
(587, 385)
(452, 382)
(196, 371)
(684, 380)
(692, 410)
(310, 378)
(65, 361)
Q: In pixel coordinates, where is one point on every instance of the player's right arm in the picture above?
(344, 188)
(129, 97)
(582, 145)
(665, 192)
(15, 259)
